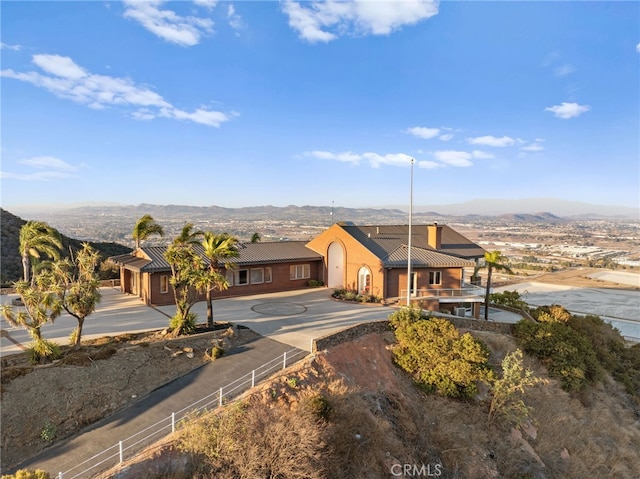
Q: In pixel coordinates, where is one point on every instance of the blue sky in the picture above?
(255, 103)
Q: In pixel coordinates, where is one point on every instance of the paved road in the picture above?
(157, 407)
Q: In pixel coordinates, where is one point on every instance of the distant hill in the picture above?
(560, 208)
(534, 218)
(484, 207)
(10, 241)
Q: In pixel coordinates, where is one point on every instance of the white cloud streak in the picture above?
(235, 21)
(6, 46)
(492, 141)
(65, 79)
(48, 162)
(566, 110)
(564, 70)
(423, 132)
(326, 21)
(166, 24)
(48, 168)
(638, 47)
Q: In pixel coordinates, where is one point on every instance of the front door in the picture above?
(335, 266)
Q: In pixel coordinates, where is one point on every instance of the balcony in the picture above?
(467, 294)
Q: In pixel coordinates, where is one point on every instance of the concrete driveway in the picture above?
(293, 318)
(116, 313)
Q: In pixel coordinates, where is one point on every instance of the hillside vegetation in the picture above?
(9, 247)
(351, 412)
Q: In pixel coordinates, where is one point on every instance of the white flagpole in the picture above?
(409, 242)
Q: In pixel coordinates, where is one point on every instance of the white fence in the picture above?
(127, 448)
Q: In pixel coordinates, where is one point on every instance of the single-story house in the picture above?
(260, 268)
(369, 259)
(374, 259)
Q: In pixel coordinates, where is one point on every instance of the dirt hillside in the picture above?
(381, 422)
(47, 403)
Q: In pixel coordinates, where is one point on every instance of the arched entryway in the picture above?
(335, 266)
(364, 280)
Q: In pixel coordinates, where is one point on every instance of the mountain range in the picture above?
(481, 207)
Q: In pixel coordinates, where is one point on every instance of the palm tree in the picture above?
(188, 236)
(145, 227)
(36, 239)
(217, 247)
(256, 238)
(492, 260)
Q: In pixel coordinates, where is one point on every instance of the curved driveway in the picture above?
(294, 317)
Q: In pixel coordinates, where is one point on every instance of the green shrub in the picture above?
(186, 325)
(551, 314)
(217, 352)
(48, 433)
(352, 295)
(567, 353)
(318, 406)
(438, 357)
(28, 474)
(510, 299)
(315, 283)
(43, 350)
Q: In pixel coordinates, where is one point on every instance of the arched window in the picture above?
(364, 280)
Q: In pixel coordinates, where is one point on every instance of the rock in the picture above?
(564, 454)
(187, 350)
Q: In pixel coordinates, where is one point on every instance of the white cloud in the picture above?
(482, 155)
(492, 141)
(6, 46)
(533, 147)
(48, 168)
(59, 66)
(375, 160)
(393, 159)
(564, 70)
(68, 80)
(454, 158)
(206, 3)
(48, 162)
(235, 21)
(423, 132)
(359, 17)
(166, 24)
(568, 110)
(446, 137)
(638, 47)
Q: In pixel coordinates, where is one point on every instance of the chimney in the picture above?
(434, 236)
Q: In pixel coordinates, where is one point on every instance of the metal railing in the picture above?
(127, 448)
(464, 292)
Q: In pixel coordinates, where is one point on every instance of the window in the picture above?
(267, 275)
(164, 283)
(299, 271)
(242, 277)
(257, 275)
(229, 277)
(435, 277)
(364, 280)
